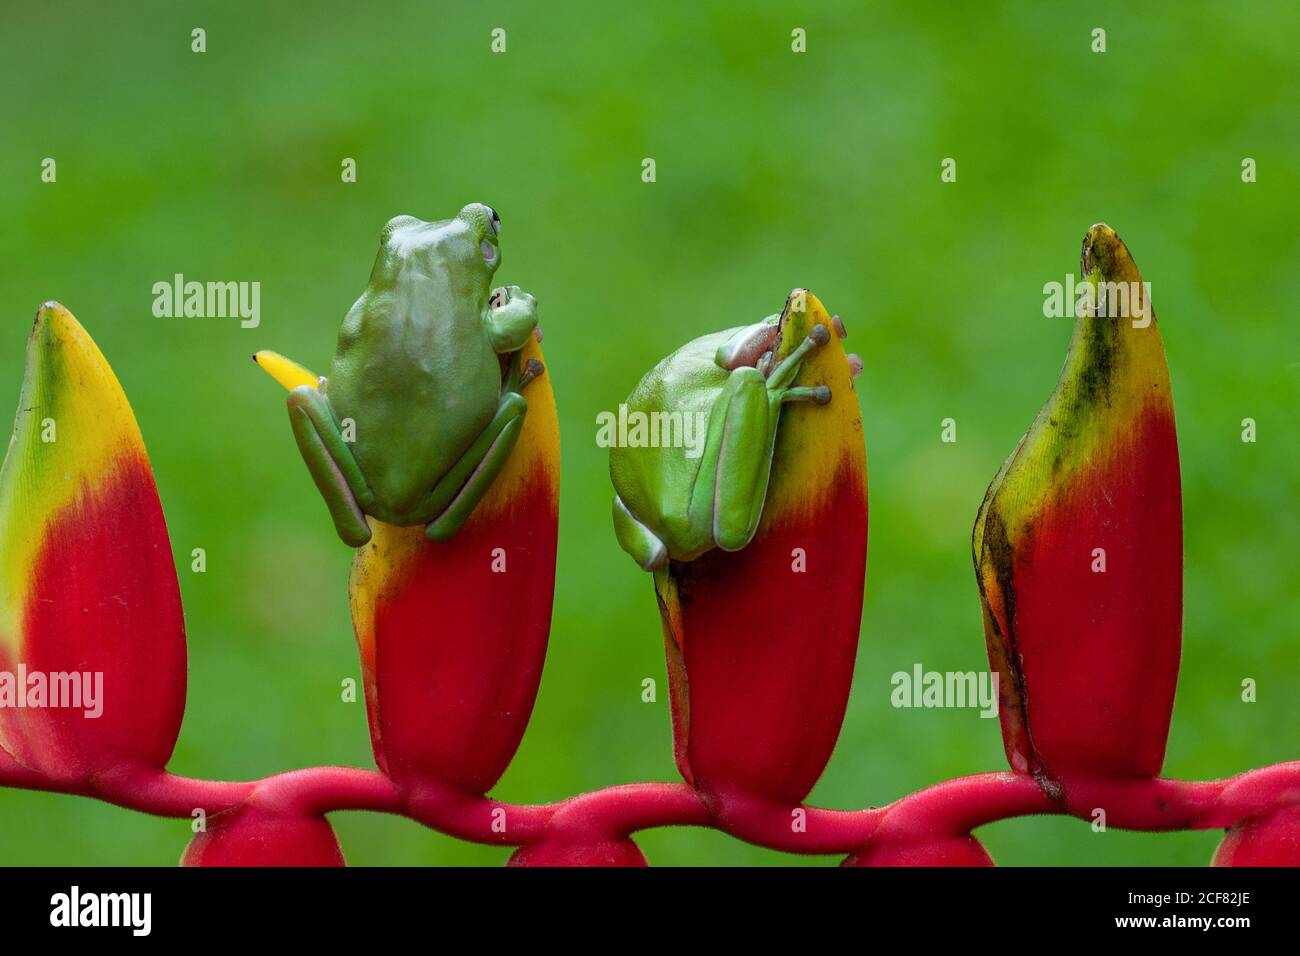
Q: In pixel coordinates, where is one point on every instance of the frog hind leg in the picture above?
(458, 492)
(337, 475)
(732, 483)
(746, 436)
(636, 539)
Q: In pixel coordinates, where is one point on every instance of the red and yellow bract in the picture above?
(453, 635)
(761, 642)
(87, 581)
(1078, 551)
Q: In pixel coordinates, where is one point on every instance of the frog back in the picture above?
(415, 370)
(656, 483)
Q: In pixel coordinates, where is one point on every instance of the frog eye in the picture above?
(494, 221)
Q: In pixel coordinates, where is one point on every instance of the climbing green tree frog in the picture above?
(671, 504)
(416, 416)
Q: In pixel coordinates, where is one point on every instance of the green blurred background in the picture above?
(774, 170)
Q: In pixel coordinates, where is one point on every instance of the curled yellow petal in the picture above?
(285, 370)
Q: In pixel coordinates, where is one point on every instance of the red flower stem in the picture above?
(162, 794)
(622, 810)
(947, 809)
(958, 806)
(320, 790)
(309, 792)
(608, 813)
(475, 817)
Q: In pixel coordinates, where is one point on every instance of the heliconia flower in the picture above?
(257, 836)
(761, 642)
(1078, 549)
(90, 609)
(569, 851)
(954, 851)
(1272, 839)
(453, 634)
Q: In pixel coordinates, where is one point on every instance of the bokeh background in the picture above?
(774, 169)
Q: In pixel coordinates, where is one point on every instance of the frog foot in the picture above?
(637, 540)
(532, 369)
(516, 377)
(784, 373)
(817, 394)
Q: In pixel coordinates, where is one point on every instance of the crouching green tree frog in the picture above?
(670, 503)
(416, 416)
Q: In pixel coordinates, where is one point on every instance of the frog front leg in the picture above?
(337, 475)
(737, 462)
(456, 494)
(511, 318)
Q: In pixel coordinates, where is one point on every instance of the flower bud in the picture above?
(1078, 549)
(253, 836)
(92, 637)
(1271, 839)
(453, 634)
(962, 850)
(559, 850)
(761, 642)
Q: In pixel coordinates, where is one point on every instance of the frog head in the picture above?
(461, 254)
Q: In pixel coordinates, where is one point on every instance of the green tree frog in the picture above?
(416, 416)
(672, 504)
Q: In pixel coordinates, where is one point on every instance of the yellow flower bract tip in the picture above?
(285, 370)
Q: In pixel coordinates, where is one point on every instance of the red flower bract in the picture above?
(91, 609)
(1271, 839)
(1078, 551)
(254, 836)
(562, 851)
(761, 642)
(453, 634)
